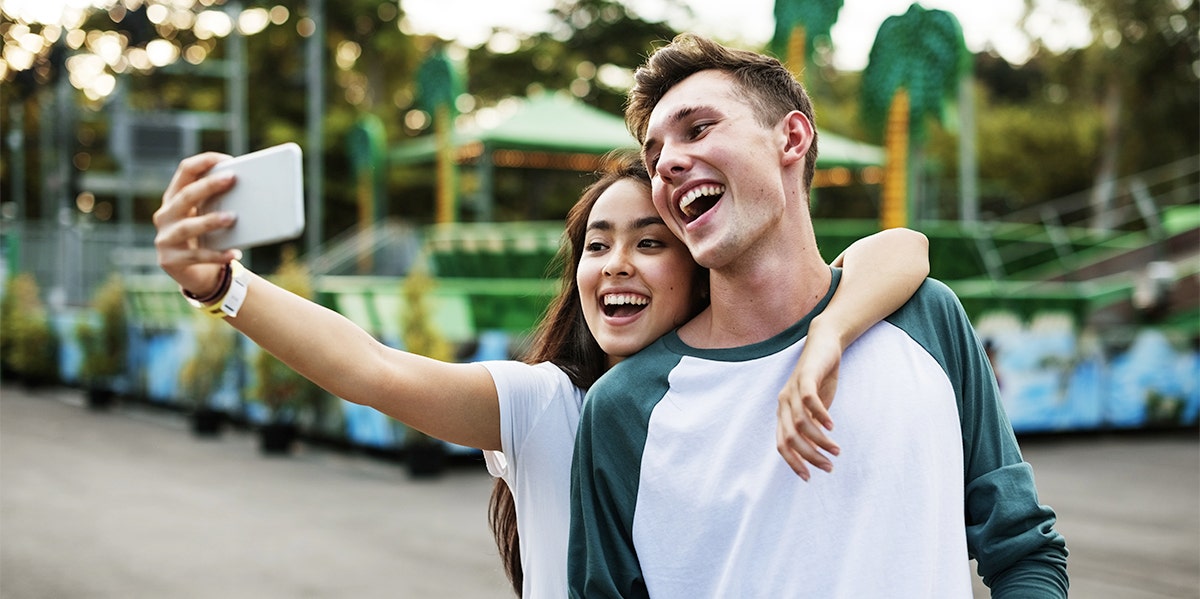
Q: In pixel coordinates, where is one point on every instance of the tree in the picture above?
(798, 26)
(917, 58)
(1145, 60)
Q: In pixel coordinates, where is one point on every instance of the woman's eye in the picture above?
(651, 243)
(594, 246)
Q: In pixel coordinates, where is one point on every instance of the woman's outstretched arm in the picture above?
(454, 402)
(879, 274)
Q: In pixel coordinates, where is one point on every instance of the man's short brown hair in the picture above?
(769, 87)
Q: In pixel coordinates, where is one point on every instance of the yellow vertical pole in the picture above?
(795, 52)
(893, 210)
(447, 209)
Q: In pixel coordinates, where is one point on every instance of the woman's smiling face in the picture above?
(636, 279)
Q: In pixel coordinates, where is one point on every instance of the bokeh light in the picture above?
(96, 54)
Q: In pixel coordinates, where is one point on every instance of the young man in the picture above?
(674, 494)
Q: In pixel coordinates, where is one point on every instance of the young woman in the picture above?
(627, 280)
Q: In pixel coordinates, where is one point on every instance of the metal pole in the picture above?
(236, 82)
(315, 51)
(968, 173)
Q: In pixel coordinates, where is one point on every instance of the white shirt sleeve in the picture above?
(525, 392)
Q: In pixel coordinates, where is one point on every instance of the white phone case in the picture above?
(267, 197)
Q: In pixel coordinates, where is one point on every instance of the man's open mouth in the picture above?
(624, 304)
(700, 200)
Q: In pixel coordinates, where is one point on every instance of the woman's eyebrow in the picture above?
(599, 225)
(648, 221)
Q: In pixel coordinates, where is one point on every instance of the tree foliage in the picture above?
(815, 16)
(922, 51)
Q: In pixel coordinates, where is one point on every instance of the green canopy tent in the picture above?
(557, 131)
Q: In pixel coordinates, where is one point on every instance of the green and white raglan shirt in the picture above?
(678, 490)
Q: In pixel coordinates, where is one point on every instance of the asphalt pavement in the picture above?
(129, 504)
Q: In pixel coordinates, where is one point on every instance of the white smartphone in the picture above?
(267, 197)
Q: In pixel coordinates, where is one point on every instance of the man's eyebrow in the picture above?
(679, 115)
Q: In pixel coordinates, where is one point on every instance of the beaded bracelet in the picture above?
(222, 288)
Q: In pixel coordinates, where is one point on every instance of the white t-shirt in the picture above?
(539, 415)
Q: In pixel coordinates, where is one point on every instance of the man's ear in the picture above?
(799, 136)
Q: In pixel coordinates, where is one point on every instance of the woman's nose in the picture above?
(618, 264)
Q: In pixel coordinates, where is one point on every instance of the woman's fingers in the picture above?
(783, 442)
(189, 188)
(179, 229)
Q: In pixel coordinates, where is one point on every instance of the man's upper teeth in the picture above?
(699, 192)
(618, 299)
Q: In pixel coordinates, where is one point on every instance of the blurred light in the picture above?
(585, 70)
(306, 27)
(31, 42)
(279, 15)
(387, 11)
(503, 42)
(3, 69)
(162, 52)
(580, 87)
(213, 23)
(139, 59)
(347, 54)
(403, 98)
(871, 175)
(1111, 38)
(76, 38)
(104, 84)
(182, 20)
(104, 211)
(86, 202)
(108, 47)
(52, 33)
(356, 93)
(195, 54)
(253, 21)
(614, 77)
(18, 58)
(464, 103)
(157, 13)
(416, 119)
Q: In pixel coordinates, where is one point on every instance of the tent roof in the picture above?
(559, 123)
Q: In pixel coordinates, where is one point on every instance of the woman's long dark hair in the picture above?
(563, 339)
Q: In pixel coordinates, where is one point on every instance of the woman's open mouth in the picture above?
(622, 305)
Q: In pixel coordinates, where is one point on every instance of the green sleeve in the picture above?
(1009, 534)
(602, 560)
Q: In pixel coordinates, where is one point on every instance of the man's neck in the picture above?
(758, 298)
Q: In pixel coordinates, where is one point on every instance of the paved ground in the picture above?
(128, 504)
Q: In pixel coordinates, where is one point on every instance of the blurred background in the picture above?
(1050, 149)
